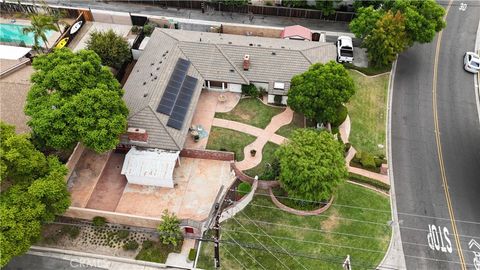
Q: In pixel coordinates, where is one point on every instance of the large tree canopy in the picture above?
(311, 165)
(320, 91)
(387, 39)
(365, 21)
(74, 98)
(33, 192)
(113, 49)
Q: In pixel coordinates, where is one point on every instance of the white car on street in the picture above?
(471, 62)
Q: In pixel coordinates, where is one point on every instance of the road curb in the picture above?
(394, 252)
(476, 77)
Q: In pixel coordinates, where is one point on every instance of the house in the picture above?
(164, 87)
(296, 32)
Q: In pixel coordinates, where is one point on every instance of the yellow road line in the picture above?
(439, 147)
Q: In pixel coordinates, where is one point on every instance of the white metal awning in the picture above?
(13, 52)
(151, 163)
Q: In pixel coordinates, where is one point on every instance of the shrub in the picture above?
(367, 161)
(148, 29)
(192, 254)
(123, 234)
(263, 91)
(250, 90)
(372, 182)
(135, 29)
(130, 245)
(147, 244)
(99, 221)
(272, 170)
(244, 188)
(341, 114)
(378, 162)
(277, 99)
(169, 229)
(357, 157)
(347, 147)
(73, 231)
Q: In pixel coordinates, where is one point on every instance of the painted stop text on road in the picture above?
(438, 239)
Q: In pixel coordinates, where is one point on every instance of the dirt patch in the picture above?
(332, 222)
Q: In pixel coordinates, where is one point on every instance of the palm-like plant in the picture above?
(40, 24)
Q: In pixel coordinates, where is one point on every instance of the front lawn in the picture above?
(267, 159)
(316, 242)
(298, 121)
(224, 139)
(155, 251)
(251, 111)
(367, 110)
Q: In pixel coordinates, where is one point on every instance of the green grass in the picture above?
(229, 140)
(157, 252)
(367, 110)
(369, 71)
(267, 157)
(328, 248)
(297, 122)
(251, 111)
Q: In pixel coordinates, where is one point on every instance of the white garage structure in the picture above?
(153, 167)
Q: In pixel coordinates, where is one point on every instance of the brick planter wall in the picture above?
(299, 212)
(207, 154)
(262, 184)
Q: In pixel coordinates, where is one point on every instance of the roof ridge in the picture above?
(160, 121)
(163, 31)
(233, 65)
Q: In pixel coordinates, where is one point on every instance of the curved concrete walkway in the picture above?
(263, 136)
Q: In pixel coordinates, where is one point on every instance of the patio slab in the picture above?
(110, 186)
(207, 105)
(197, 184)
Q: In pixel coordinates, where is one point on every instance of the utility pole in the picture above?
(346, 264)
(216, 238)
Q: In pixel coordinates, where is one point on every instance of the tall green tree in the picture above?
(365, 21)
(33, 192)
(320, 91)
(74, 98)
(169, 230)
(312, 165)
(40, 24)
(423, 19)
(326, 6)
(387, 39)
(113, 49)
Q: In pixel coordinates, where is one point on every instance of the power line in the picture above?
(368, 209)
(260, 242)
(319, 215)
(310, 242)
(248, 253)
(273, 240)
(231, 254)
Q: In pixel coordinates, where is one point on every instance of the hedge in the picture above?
(369, 181)
(191, 254)
(244, 188)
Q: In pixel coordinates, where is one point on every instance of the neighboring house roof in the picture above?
(219, 57)
(214, 57)
(297, 31)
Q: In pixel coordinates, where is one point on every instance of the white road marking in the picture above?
(438, 239)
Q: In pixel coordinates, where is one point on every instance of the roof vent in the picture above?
(274, 53)
(155, 77)
(229, 42)
(151, 74)
(152, 64)
(145, 94)
(246, 62)
(259, 45)
(144, 83)
(283, 47)
(231, 70)
(251, 44)
(158, 68)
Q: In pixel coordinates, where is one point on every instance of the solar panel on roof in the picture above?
(177, 117)
(170, 95)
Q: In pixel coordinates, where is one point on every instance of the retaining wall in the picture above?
(262, 184)
(207, 154)
(299, 212)
(74, 158)
(251, 31)
(239, 205)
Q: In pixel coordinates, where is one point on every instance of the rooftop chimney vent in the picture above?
(246, 62)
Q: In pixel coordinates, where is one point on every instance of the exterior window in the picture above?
(215, 84)
(188, 230)
(278, 86)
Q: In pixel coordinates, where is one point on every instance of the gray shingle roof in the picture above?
(144, 89)
(215, 57)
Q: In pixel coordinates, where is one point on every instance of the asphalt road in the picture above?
(424, 217)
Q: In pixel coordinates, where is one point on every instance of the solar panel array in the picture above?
(173, 87)
(183, 102)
